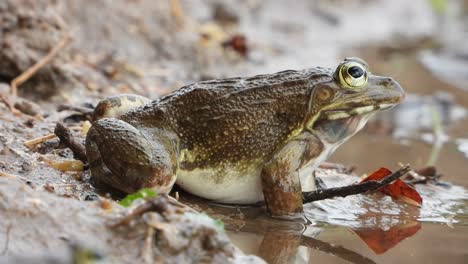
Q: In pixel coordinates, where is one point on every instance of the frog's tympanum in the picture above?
(237, 140)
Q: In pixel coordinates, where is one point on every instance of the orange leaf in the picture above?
(397, 189)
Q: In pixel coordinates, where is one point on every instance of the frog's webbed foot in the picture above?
(123, 157)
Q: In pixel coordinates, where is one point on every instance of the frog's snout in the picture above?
(397, 90)
(393, 90)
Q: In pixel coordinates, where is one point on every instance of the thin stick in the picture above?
(8, 175)
(38, 65)
(177, 13)
(13, 176)
(7, 240)
(339, 251)
(8, 104)
(358, 188)
(79, 109)
(33, 142)
(146, 252)
(158, 204)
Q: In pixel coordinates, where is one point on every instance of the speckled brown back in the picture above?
(240, 118)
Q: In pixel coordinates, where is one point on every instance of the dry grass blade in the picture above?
(8, 175)
(23, 77)
(33, 142)
(147, 252)
(177, 13)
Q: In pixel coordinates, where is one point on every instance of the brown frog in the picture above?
(237, 140)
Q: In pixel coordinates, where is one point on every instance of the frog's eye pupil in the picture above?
(356, 71)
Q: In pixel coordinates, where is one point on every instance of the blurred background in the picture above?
(153, 47)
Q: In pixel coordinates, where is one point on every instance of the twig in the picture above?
(79, 109)
(8, 175)
(339, 251)
(85, 113)
(8, 104)
(66, 138)
(158, 204)
(423, 175)
(33, 142)
(38, 65)
(353, 189)
(146, 252)
(7, 240)
(177, 13)
(13, 176)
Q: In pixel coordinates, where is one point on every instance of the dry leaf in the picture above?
(397, 189)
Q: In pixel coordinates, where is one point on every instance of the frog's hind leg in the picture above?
(115, 106)
(124, 158)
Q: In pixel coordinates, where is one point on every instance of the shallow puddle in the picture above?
(356, 229)
(432, 243)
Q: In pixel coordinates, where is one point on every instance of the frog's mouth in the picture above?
(335, 114)
(339, 124)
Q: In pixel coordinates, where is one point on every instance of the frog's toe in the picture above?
(122, 157)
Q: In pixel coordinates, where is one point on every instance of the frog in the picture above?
(241, 140)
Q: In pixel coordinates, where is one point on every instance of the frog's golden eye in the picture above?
(351, 74)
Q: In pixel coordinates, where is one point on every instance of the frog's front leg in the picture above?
(280, 176)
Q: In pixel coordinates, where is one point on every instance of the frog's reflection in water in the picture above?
(280, 241)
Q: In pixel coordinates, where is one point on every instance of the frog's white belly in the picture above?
(230, 184)
(227, 185)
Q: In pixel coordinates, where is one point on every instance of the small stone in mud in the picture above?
(49, 187)
(27, 166)
(224, 15)
(91, 197)
(237, 43)
(27, 107)
(427, 171)
(48, 146)
(106, 205)
(29, 123)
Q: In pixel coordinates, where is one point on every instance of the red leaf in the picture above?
(397, 189)
(380, 241)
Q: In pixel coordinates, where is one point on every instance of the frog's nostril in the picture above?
(387, 82)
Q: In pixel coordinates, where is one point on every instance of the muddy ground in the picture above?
(153, 47)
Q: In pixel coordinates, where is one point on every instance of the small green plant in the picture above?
(439, 6)
(141, 194)
(438, 137)
(219, 224)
